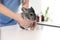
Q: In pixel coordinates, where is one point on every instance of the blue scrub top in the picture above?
(13, 6)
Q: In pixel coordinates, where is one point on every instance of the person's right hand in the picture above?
(24, 23)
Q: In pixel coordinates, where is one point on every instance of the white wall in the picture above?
(54, 10)
(49, 33)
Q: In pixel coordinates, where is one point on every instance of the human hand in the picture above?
(34, 26)
(25, 3)
(22, 22)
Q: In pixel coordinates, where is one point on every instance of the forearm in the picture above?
(7, 12)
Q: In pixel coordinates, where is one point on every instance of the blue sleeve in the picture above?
(13, 6)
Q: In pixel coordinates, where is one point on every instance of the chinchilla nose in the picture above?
(34, 18)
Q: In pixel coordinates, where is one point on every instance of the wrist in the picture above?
(18, 17)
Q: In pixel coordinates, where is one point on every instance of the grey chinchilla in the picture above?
(28, 14)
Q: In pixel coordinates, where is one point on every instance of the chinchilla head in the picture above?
(29, 13)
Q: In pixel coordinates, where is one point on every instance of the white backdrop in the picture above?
(49, 33)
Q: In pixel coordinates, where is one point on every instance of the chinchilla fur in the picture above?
(28, 14)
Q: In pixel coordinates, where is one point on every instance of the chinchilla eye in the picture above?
(31, 14)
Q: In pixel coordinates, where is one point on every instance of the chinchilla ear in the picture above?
(32, 9)
(24, 9)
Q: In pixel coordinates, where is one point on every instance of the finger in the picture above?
(34, 26)
(35, 23)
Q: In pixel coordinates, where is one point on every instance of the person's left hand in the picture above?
(35, 23)
(25, 3)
